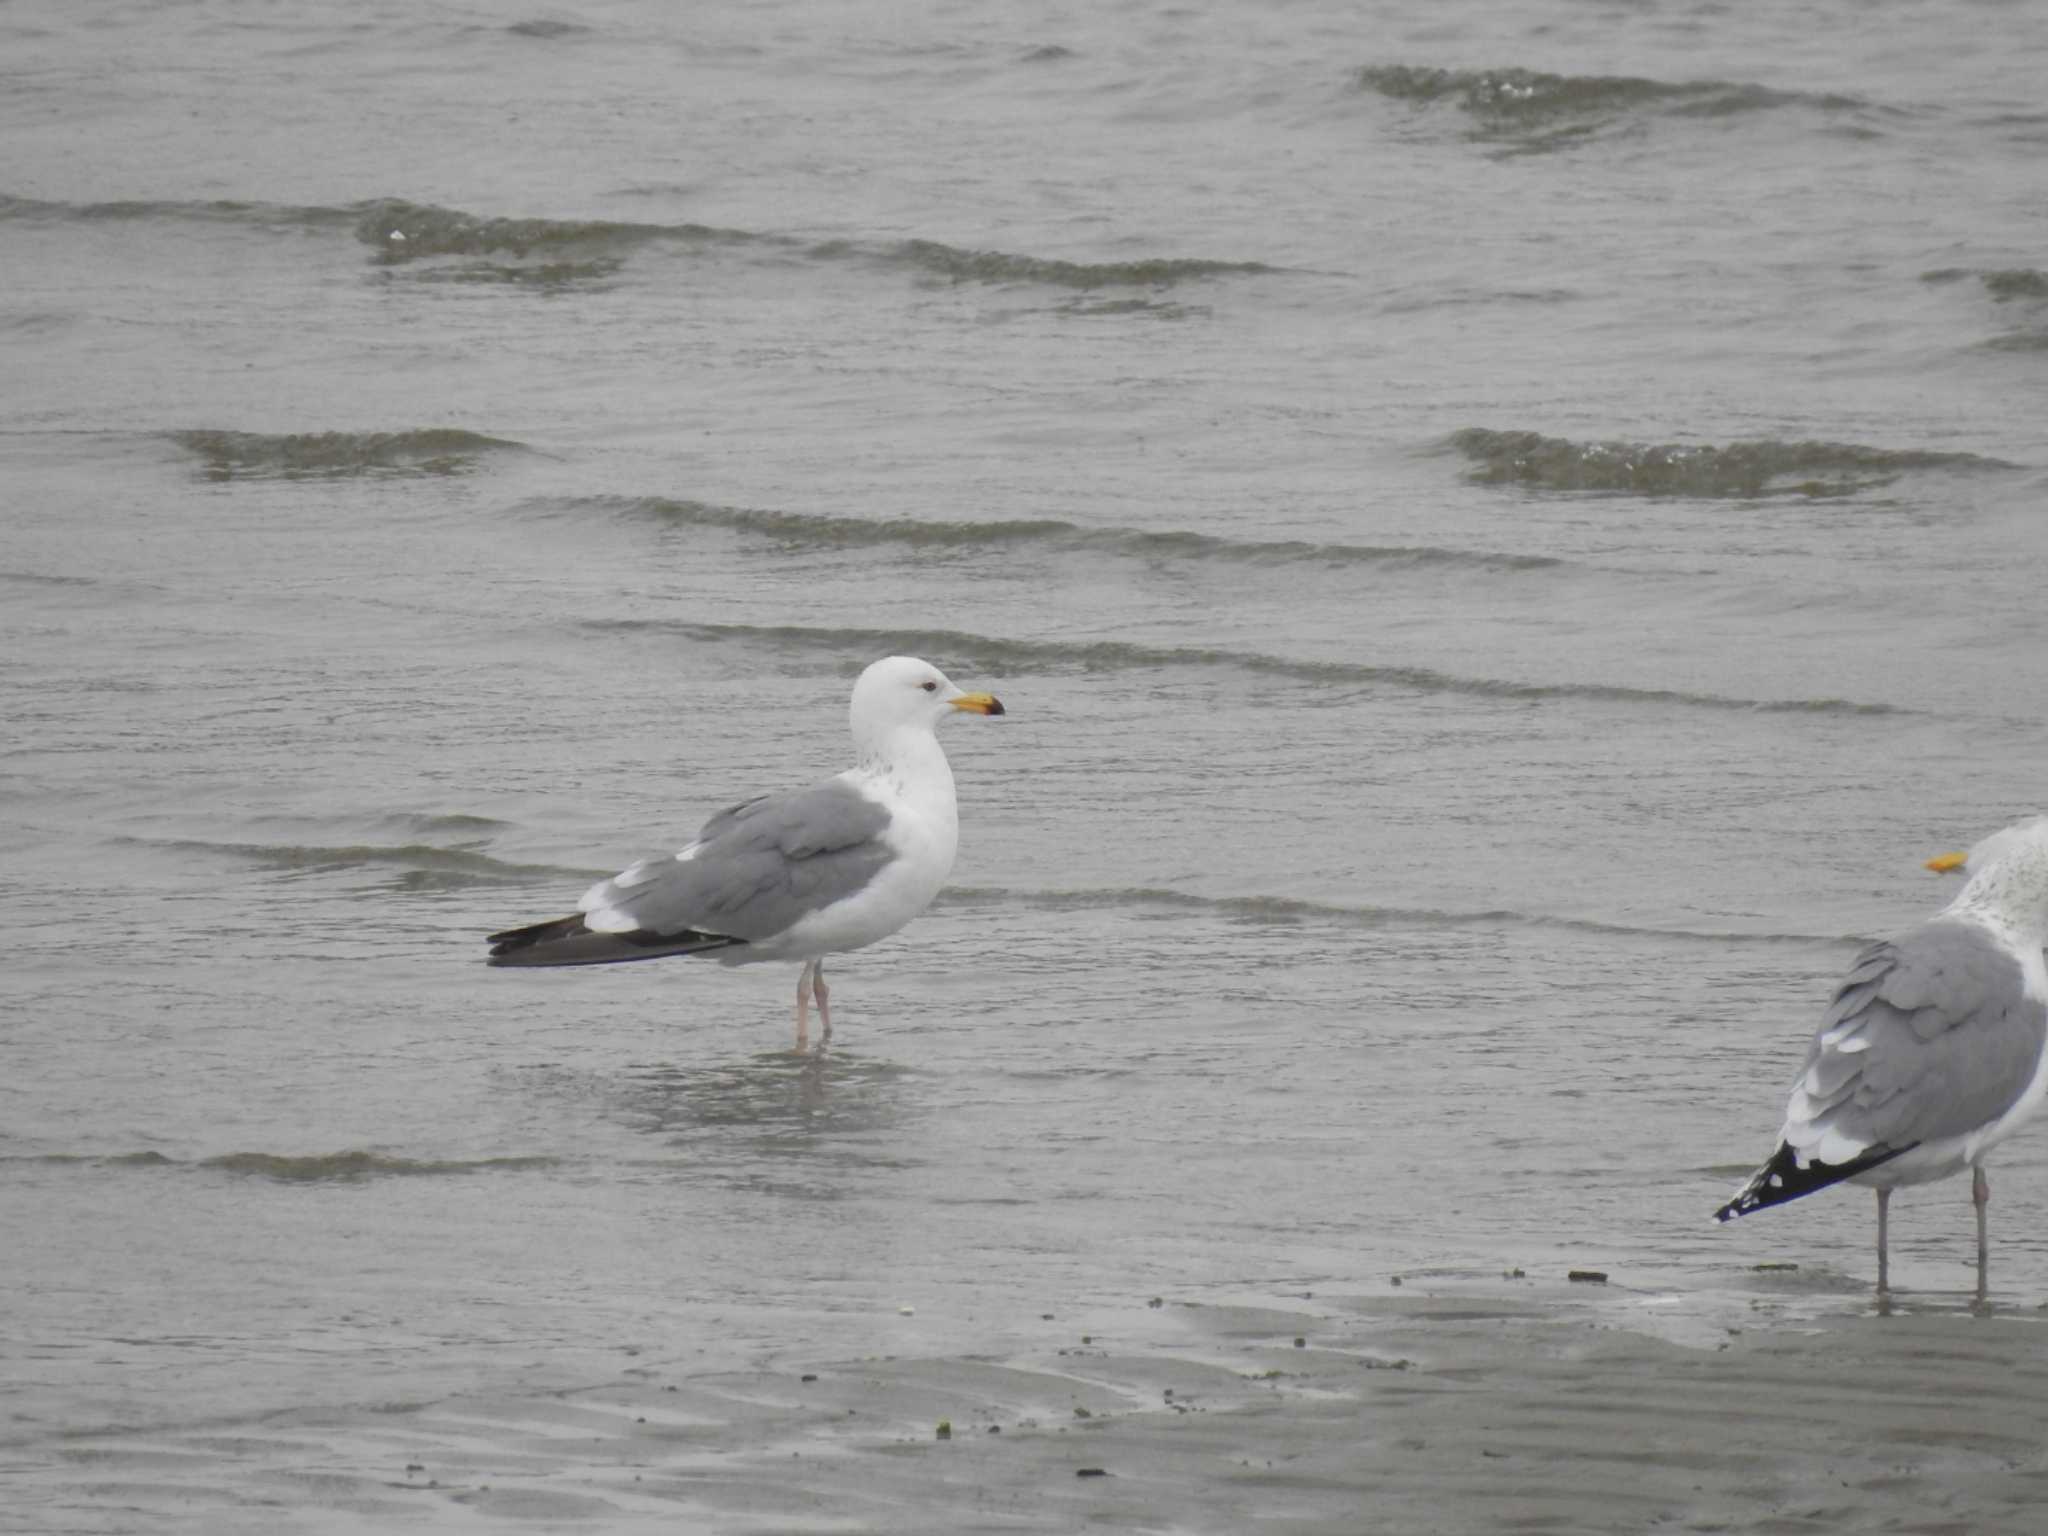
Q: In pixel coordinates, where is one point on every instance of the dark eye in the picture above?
(929, 686)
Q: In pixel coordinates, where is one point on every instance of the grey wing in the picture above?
(1931, 1036)
(755, 868)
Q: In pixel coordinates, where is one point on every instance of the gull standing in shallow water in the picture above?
(797, 876)
(1934, 1050)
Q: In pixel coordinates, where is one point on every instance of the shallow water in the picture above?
(1505, 543)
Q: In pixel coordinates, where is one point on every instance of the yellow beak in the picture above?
(979, 704)
(1945, 863)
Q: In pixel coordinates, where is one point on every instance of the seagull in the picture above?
(1934, 1050)
(795, 876)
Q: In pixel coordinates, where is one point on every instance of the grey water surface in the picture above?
(1506, 533)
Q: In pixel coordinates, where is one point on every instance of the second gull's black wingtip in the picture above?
(1785, 1178)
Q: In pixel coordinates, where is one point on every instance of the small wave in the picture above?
(38, 324)
(548, 277)
(1052, 534)
(1287, 911)
(546, 29)
(1154, 309)
(354, 1166)
(347, 1166)
(1538, 111)
(1744, 470)
(222, 211)
(419, 865)
(987, 657)
(428, 823)
(2007, 284)
(401, 231)
(582, 252)
(329, 455)
(2017, 341)
(968, 266)
(39, 579)
(2020, 340)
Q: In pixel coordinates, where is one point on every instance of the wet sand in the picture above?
(1445, 1405)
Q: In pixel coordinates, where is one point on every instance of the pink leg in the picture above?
(1884, 1200)
(1980, 1196)
(824, 997)
(803, 1003)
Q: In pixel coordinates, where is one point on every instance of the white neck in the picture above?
(912, 761)
(2012, 897)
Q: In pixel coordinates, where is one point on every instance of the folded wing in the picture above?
(755, 870)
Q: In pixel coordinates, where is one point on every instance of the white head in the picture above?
(901, 692)
(1985, 852)
(2008, 873)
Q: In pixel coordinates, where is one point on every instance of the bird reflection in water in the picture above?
(766, 1116)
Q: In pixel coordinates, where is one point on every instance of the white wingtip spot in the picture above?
(639, 874)
(1835, 1148)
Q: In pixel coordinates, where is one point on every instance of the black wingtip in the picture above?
(1784, 1178)
(569, 941)
(515, 940)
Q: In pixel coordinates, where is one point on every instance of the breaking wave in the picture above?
(335, 455)
(1745, 470)
(1535, 111)
(400, 231)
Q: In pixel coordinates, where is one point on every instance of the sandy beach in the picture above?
(1448, 1404)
